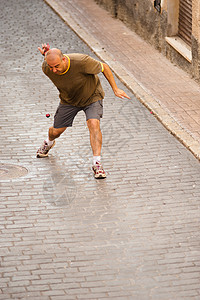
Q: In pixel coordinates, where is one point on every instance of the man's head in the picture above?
(56, 61)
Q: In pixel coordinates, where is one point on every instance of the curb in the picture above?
(139, 91)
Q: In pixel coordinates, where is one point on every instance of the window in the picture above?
(185, 21)
(180, 27)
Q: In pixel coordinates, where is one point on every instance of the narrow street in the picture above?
(65, 235)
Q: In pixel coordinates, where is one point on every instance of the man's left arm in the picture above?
(109, 76)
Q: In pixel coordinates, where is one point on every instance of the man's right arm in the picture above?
(44, 49)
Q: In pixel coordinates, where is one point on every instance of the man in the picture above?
(75, 76)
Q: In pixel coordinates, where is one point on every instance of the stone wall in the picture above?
(196, 39)
(153, 26)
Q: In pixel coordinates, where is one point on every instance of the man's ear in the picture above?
(64, 58)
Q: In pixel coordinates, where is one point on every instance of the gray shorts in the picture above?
(65, 113)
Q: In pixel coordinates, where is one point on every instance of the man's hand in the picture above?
(44, 49)
(121, 94)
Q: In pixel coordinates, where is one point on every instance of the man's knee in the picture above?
(56, 132)
(93, 125)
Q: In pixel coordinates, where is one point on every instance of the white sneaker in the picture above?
(99, 172)
(44, 149)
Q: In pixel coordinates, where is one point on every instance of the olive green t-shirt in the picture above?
(79, 85)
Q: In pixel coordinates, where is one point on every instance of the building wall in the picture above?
(196, 39)
(154, 26)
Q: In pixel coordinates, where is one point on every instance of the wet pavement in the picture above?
(166, 90)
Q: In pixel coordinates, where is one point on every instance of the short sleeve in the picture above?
(92, 66)
(44, 67)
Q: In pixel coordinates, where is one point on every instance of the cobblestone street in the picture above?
(65, 235)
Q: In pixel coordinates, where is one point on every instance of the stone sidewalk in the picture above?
(167, 91)
(63, 234)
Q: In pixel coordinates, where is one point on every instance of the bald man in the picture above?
(76, 78)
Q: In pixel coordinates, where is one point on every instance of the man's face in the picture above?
(57, 65)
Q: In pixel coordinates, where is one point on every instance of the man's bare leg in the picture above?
(96, 144)
(95, 136)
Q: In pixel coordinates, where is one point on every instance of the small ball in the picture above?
(47, 115)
